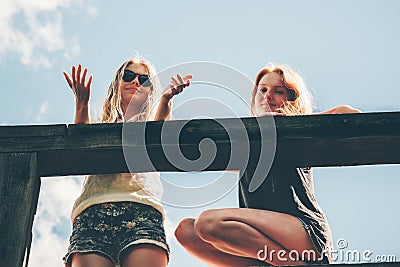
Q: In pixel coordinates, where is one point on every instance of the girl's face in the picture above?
(271, 94)
(133, 91)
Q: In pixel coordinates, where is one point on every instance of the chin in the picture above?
(263, 112)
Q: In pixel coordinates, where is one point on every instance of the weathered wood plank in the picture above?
(108, 136)
(320, 140)
(316, 140)
(33, 138)
(19, 191)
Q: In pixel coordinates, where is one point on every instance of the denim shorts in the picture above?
(110, 229)
(321, 258)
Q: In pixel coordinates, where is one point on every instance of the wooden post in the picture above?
(19, 192)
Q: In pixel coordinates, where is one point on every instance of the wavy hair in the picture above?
(112, 107)
(300, 100)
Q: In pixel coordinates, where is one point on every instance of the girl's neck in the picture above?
(131, 111)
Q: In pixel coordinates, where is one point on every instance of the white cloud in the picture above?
(43, 109)
(73, 49)
(32, 29)
(55, 203)
(92, 10)
(169, 229)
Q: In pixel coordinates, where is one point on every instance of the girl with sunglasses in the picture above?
(118, 219)
(281, 222)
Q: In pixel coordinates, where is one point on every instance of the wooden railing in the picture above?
(30, 152)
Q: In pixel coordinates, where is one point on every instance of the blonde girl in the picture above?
(118, 218)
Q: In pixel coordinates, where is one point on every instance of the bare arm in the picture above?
(176, 87)
(81, 91)
(164, 109)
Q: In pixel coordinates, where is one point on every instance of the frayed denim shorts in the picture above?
(111, 229)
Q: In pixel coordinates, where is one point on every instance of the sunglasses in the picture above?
(144, 79)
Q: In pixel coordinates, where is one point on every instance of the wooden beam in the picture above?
(19, 191)
(315, 140)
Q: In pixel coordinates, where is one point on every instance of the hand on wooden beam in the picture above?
(343, 109)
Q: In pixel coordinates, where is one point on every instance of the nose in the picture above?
(268, 95)
(136, 80)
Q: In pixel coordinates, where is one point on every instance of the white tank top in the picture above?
(144, 188)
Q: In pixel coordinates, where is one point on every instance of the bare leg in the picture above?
(90, 260)
(233, 234)
(145, 255)
(244, 232)
(205, 251)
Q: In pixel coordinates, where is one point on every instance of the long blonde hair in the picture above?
(112, 107)
(300, 101)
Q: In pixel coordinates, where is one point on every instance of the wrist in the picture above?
(81, 105)
(166, 97)
(82, 114)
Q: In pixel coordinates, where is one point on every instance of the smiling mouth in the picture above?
(134, 90)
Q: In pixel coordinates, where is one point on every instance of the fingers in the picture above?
(175, 82)
(82, 81)
(78, 84)
(69, 81)
(73, 74)
(184, 80)
(89, 81)
(342, 110)
(78, 78)
(181, 81)
(188, 77)
(348, 109)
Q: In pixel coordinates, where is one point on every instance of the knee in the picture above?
(209, 225)
(185, 233)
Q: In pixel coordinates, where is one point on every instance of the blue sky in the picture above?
(347, 51)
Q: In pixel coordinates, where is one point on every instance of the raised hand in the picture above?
(81, 91)
(177, 85)
(78, 84)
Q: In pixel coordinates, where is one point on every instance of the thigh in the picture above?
(194, 245)
(145, 255)
(286, 230)
(90, 260)
(92, 238)
(141, 231)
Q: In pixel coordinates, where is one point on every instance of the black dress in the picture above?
(290, 190)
